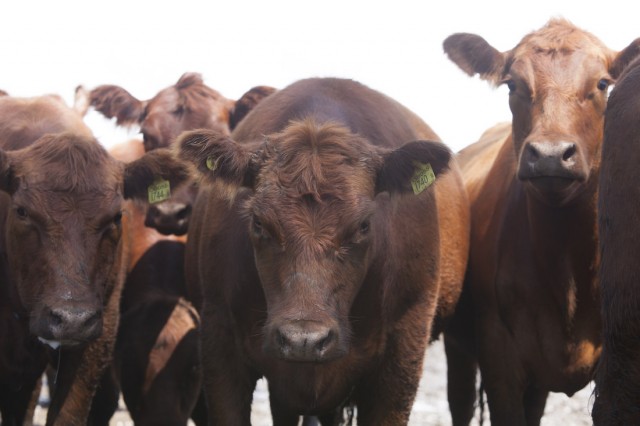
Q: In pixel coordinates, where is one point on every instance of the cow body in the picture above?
(530, 291)
(328, 273)
(617, 375)
(62, 207)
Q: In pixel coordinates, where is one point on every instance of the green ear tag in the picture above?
(422, 178)
(212, 164)
(159, 190)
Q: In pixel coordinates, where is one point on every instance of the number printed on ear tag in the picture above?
(422, 178)
(159, 191)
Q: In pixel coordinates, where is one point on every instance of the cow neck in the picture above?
(564, 240)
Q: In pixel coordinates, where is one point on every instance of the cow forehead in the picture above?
(558, 46)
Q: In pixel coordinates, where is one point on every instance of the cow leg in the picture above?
(227, 380)
(534, 403)
(387, 397)
(461, 380)
(199, 413)
(16, 407)
(281, 415)
(502, 375)
(105, 401)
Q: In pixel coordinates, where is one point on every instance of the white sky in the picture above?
(394, 46)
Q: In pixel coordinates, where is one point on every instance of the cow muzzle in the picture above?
(68, 325)
(552, 162)
(169, 218)
(305, 341)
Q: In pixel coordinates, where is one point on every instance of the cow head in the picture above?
(63, 228)
(558, 79)
(312, 221)
(187, 105)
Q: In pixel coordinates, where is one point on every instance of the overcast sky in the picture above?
(394, 46)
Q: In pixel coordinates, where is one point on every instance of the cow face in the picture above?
(171, 217)
(63, 229)
(187, 105)
(312, 222)
(558, 80)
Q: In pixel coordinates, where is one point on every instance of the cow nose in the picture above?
(549, 159)
(169, 217)
(306, 341)
(72, 324)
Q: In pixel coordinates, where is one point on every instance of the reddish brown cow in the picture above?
(66, 254)
(321, 269)
(532, 184)
(156, 356)
(187, 105)
(618, 372)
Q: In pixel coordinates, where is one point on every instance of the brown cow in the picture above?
(530, 291)
(22, 357)
(321, 269)
(618, 372)
(187, 105)
(66, 254)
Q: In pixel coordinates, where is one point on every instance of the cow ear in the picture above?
(624, 58)
(152, 176)
(247, 103)
(217, 156)
(113, 101)
(8, 181)
(474, 56)
(413, 167)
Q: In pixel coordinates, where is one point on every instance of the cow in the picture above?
(617, 375)
(529, 315)
(156, 362)
(321, 268)
(65, 251)
(187, 105)
(22, 357)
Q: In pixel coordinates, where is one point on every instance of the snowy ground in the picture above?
(430, 408)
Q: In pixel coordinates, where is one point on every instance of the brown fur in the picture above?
(67, 254)
(342, 246)
(530, 293)
(187, 105)
(618, 373)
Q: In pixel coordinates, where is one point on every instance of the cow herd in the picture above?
(321, 236)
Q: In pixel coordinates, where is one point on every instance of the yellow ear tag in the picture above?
(212, 164)
(159, 190)
(422, 178)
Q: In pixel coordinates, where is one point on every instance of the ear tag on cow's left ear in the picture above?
(212, 164)
(422, 178)
(159, 191)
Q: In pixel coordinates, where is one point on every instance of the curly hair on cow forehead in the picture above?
(67, 162)
(316, 158)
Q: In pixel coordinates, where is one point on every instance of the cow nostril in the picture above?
(183, 213)
(569, 152)
(532, 153)
(325, 342)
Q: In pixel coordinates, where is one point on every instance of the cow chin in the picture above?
(554, 191)
(305, 341)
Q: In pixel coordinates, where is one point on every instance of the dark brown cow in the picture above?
(187, 105)
(66, 254)
(22, 357)
(618, 373)
(532, 185)
(321, 269)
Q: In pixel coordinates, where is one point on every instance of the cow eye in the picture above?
(364, 227)
(603, 84)
(258, 228)
(22, 212)
(117, 219)
(511, 85)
